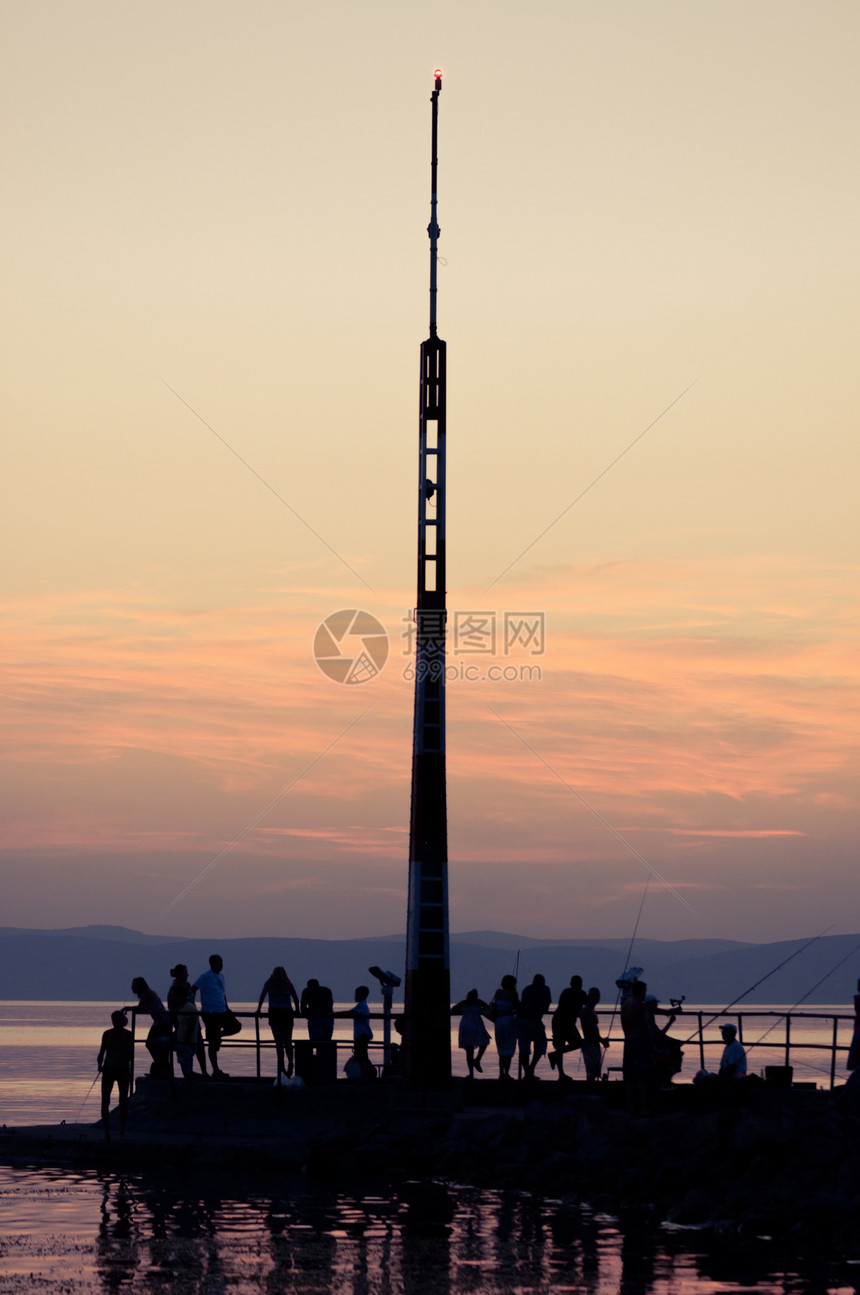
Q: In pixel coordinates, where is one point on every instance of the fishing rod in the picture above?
(826, 976)
(626, 964)
(86, 1099)
(772, 972)
(630, 949)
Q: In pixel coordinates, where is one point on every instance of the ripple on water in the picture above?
(95, 1231)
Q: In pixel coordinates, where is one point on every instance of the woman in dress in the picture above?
(158, 1038)
(473, 1033)
(283, 1005)
(506, 1002)
(853, 1062)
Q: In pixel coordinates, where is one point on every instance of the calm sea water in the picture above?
(110, 1233)
(48, 1054)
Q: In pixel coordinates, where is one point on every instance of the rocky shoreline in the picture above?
(783, 1166)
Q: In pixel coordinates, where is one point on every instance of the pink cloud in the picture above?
(751, 833)
(673, 694)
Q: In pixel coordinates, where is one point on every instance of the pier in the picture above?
(776, 1040)
(782, 1163)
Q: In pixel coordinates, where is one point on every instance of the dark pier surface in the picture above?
(783, 1164)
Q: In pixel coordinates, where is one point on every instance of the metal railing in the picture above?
(262, 1040)
(692, 1027)
(785, 1042)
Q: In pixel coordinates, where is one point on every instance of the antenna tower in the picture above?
(427, 1028)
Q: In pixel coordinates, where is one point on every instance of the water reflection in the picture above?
(123, 1233)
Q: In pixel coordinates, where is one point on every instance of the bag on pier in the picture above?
(230, 1024)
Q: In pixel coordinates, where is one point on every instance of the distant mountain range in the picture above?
(97, 963)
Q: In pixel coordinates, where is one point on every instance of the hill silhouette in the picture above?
(97, 963)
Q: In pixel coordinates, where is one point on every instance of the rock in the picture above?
(696, 1206)
(755, 1132)
(553, 1170)
(821, 1153)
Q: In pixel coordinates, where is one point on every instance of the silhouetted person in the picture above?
(531, 1034)
(668, 1056)
(158, 1038)
(187, 1035)
(473, 1032)
(505, 1005)
(317, 1006)
(565, 1036)
(592, 1041)
(213, 1009)
(848, 1098)
(733, 1062)
(362, 1033)
(853, 1062)
(283, 1005)
(114, 1064)
(638, 1063)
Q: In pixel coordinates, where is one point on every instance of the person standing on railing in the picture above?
(853, 1062)
(213, 1009)
(283, 1005)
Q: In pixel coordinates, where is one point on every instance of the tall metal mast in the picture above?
(427, 1032)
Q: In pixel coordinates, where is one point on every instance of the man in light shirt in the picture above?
(733, 1062)
(213, 1009)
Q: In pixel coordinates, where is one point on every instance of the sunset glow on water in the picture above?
(48, 1050)
(100, 1232)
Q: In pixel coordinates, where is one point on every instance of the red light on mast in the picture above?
(438, 74)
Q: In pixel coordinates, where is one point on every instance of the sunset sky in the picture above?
(215, 292)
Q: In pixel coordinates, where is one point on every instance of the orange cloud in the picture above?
(751, 833)
(685, 702)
